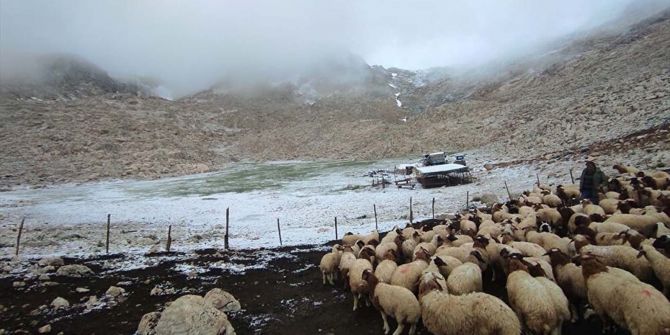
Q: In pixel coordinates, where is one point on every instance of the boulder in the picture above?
(51, 261)
(222, 300)
(114, 291)
(489, 199)
(191, 315)
(60, 303)
(148, 323)
(74, 270)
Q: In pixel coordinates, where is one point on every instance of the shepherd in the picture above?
(591, 181)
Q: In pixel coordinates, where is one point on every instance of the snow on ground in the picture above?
(70, 219)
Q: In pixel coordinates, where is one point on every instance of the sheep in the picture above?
(645, 224)
(623, 169)
(407, 275)
(350, 238)
(461, 253)
(631, 304)
(569, 278)
(609, 206)
(659, 263)
(656, 183)
(552, 200)
(372, 238)
(368, 252)
(445, 264)
(621, 256)
(530, 300)
(386, 267)
(568, 193)
(549, 241)
(468, 227)
(391, 235)
(357, 285)
(329, 263)
(595, 212)
(347, 259)
(475, 313)
(550, 215)
(395, 301)
(528, 249)
(382, 248)
(556, 294)
(457, 240)
(428, 247)
(465, 278)
(661, 229)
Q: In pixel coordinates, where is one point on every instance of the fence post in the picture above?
(168, 244)
(107, 239)
(433, 208)
(537, 176)
(336, 227)
(411, 213)
(279, 230)
(467, 200)
(18, 237)
(572, 178)
(374, 206)
(225, 237)
(509, 195)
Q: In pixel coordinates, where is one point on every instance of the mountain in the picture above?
(59, 76)
(597, 91)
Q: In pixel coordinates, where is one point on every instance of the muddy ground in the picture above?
(282, 295)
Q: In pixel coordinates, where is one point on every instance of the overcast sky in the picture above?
(190, 44)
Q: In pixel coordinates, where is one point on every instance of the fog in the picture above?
(190, 45)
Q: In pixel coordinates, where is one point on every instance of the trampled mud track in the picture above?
(281, 296)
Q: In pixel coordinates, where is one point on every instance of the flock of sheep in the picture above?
(560, 259)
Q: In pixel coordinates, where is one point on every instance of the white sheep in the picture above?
(395, 301)
(631, 304)
(357, 285)
(475, 313)
(329, 264)
(531, 300)
(569, 278)
(386, 267)
(659, 263)
(620, 256)
(465, 278)
(407, 275)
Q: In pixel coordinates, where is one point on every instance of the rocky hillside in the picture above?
(83, 125)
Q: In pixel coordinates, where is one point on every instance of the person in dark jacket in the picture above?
(591, 181)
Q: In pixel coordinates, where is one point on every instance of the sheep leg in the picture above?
(387, 329)
(323, 274)
(355, 301)
(412, 329)
(400, 328)
(330, 279)
(574, 313)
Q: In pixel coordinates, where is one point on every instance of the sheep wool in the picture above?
(475, 313)
(660, 264)
(395, 301)
(638, 307)
(465, 278)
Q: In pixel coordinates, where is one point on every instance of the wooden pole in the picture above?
(336, 227)
(107, 239)
(225, 237)
(467, 200)
(509, 195)
(18, 237)
(537, 176)
(168, 244)
(374, 206)
(411, 213)
(572, 178)
(279, 230)
(433, 208)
